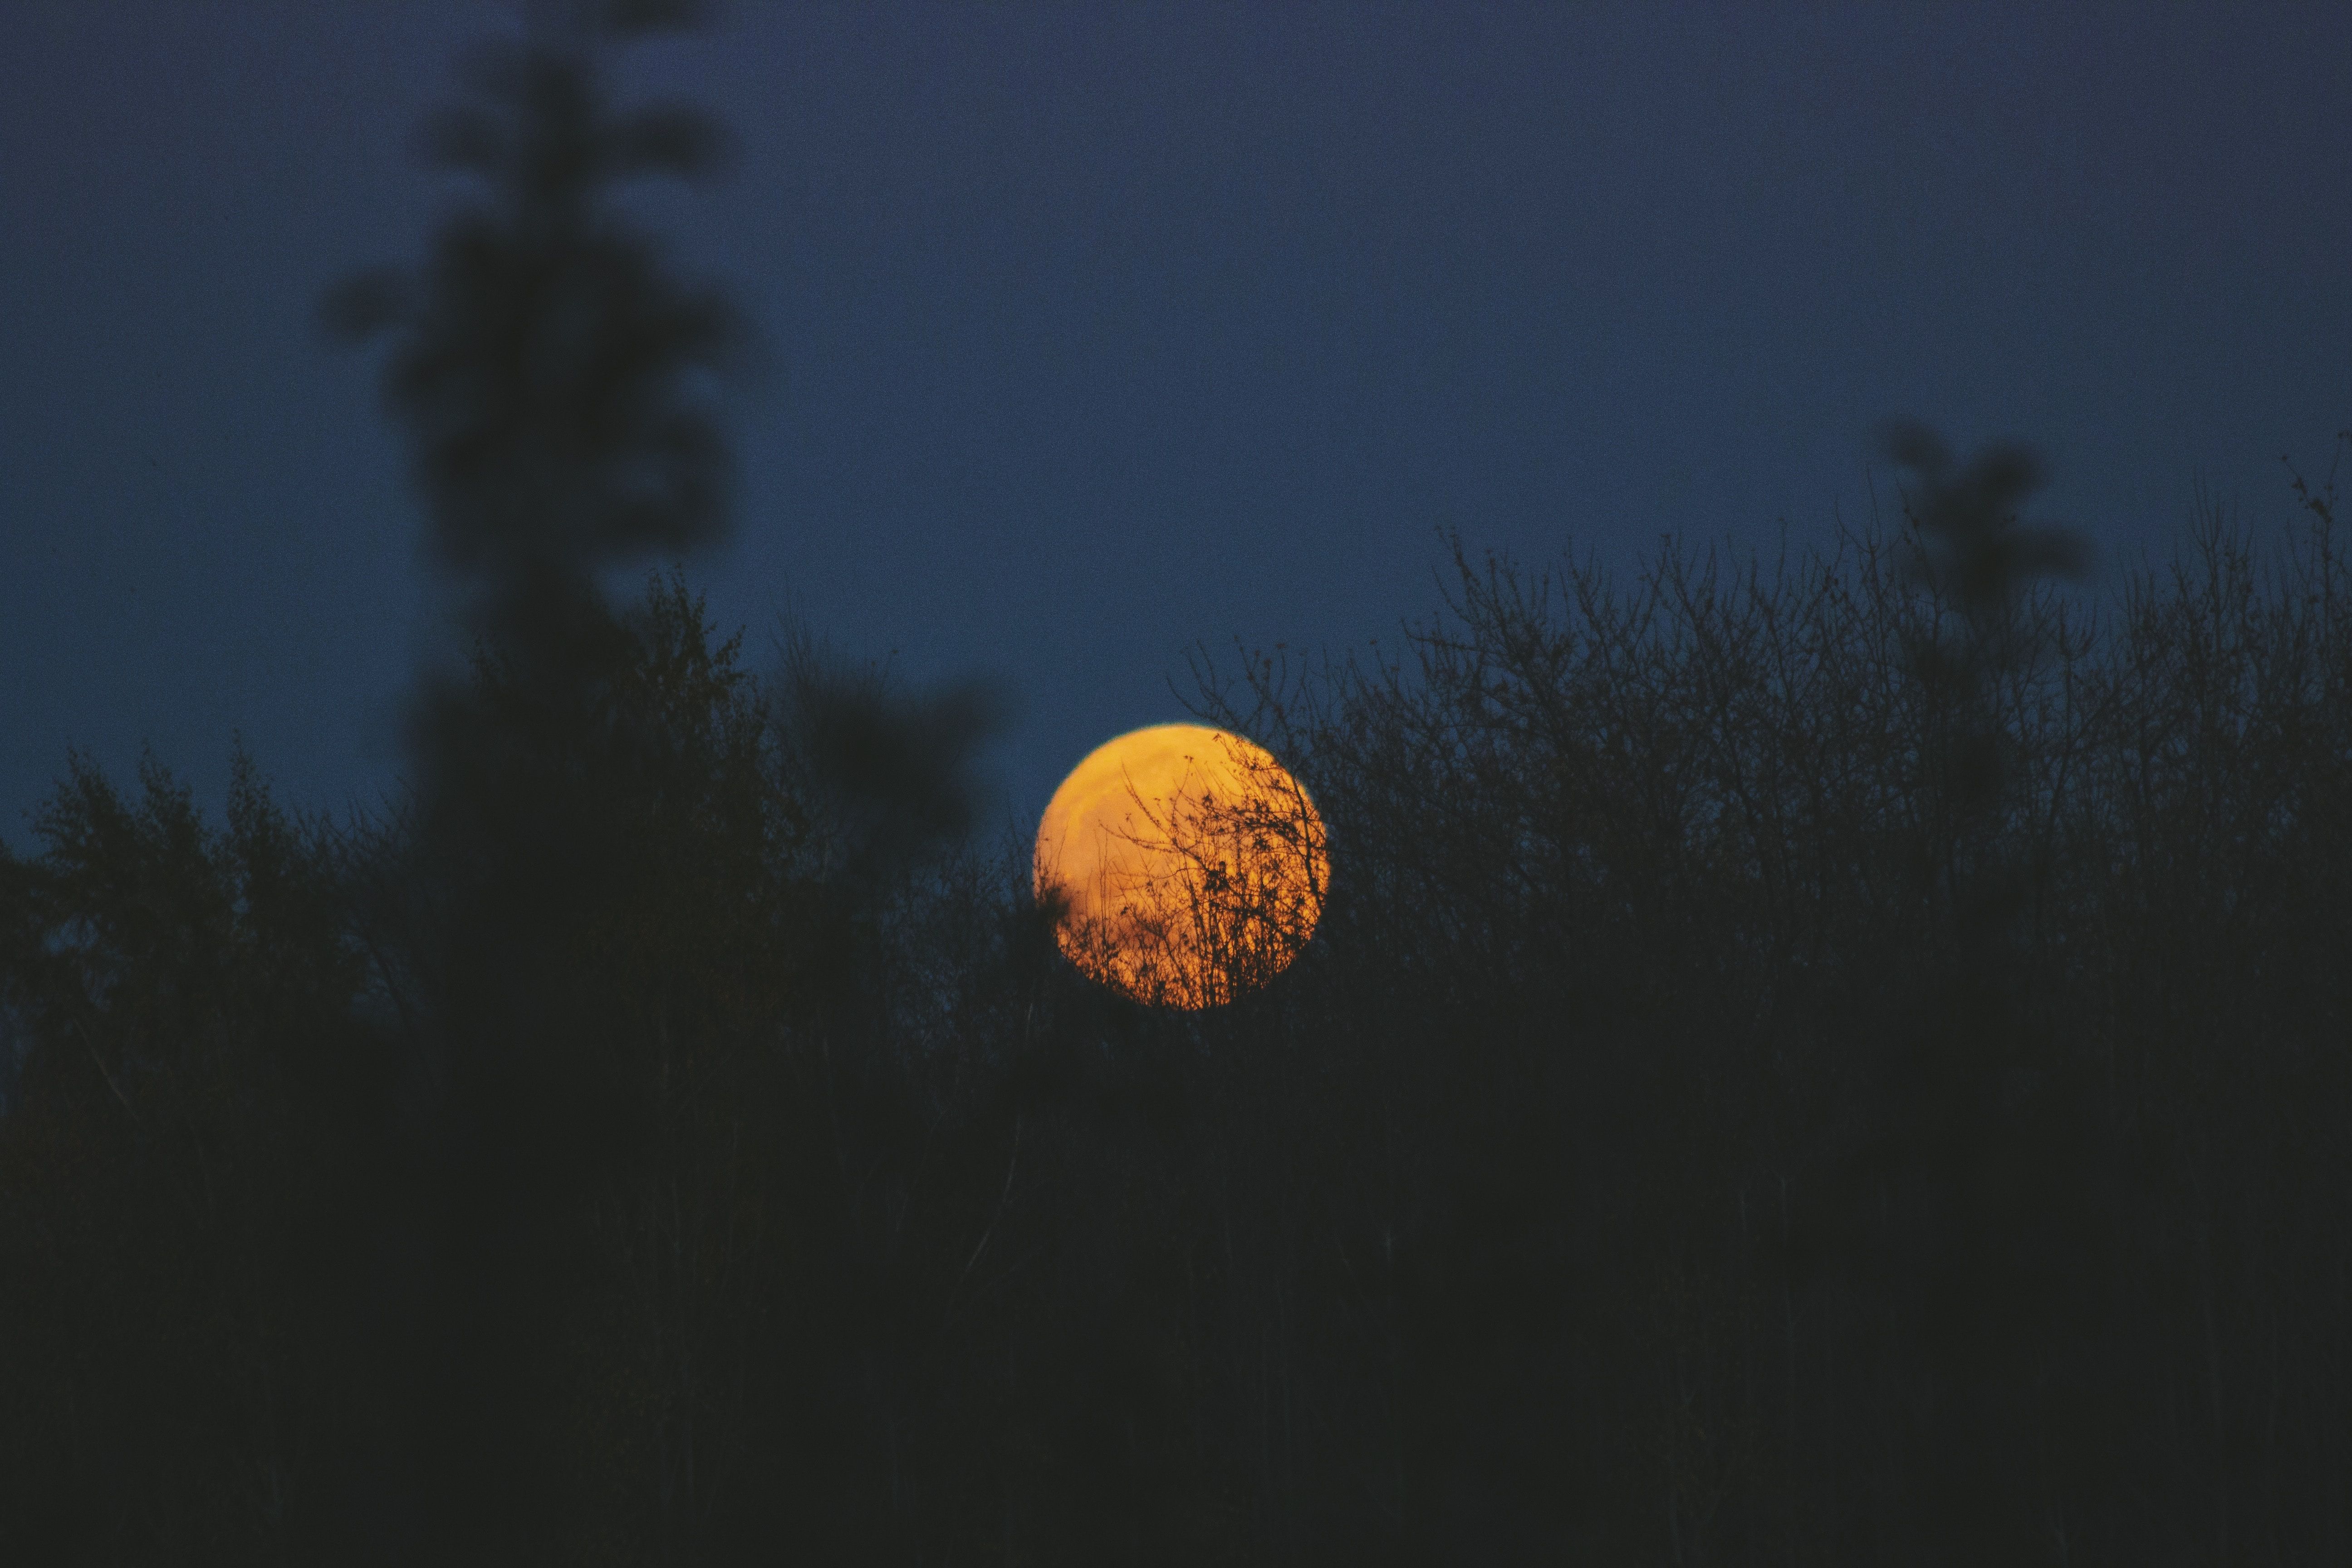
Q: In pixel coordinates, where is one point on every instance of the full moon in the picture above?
(1186, 866)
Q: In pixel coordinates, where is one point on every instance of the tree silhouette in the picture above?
(1989, 1134)
(552, 379)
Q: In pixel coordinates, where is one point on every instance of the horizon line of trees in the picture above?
(1704, 1126)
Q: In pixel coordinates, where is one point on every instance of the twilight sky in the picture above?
(1099, 331)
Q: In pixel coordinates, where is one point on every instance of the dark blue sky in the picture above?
(1102, 330)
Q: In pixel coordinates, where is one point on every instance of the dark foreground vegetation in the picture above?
(1843, 1063)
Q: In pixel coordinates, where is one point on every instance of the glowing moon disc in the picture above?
(1191, 865)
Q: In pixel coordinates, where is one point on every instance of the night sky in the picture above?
(1095, 333)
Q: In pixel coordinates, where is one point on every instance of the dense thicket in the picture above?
(1843, 1062)
(1646, 1162)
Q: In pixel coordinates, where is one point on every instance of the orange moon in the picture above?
(1186, 866)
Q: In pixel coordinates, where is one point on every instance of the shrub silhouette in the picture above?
(1657, 1154)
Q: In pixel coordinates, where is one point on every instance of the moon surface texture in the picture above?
(1187, 866)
